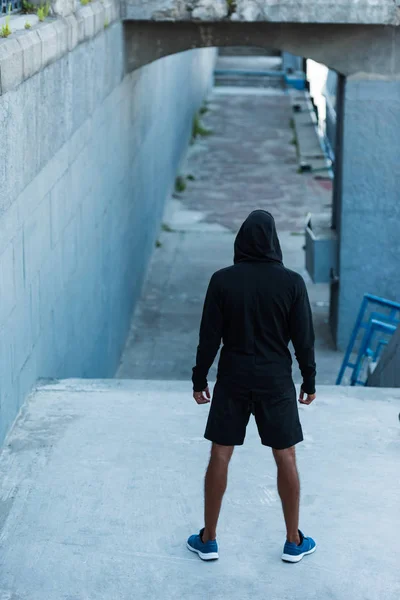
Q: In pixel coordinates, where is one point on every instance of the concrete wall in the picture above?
(387, 371)
(331, 117)
(87, 157)
(370, 208)
(292, 63)
(285, 11)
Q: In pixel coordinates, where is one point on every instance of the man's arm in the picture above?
(303, 338)
(210, 336)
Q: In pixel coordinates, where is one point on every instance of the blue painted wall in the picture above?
(89, 159)
(370, 210)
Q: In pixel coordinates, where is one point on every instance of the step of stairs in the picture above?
(101, 483)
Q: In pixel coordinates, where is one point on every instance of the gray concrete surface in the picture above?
(251, 63)
(257, 71)
(27, 52)
(79, 213)
(385, 12)
(352, 50)
(309, 145)
(370, 207)
(101, 484)
(248, 162)
(387, 372)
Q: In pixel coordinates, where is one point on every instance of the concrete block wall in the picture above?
(370, 209)
(87, 159)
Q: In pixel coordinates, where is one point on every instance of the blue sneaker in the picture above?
(207, 551)
(293, 553)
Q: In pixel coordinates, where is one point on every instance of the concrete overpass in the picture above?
(353, 37)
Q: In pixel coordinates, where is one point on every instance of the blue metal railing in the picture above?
(367, 351)
(383, 322)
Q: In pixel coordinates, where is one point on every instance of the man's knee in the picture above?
(286, 457)
(221, 453)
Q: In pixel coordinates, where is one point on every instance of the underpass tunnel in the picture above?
(259, 142)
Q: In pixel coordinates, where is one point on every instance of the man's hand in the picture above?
(308, 400)
(202, 397)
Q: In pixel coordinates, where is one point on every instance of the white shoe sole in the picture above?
(295, 559)
(203, 556)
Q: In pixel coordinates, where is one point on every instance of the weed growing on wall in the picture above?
(198, 130)
(5, 30)
(180, 184)
(85, 2)
(43, 11)
(232, 5)
(28, 8)
(28, 25)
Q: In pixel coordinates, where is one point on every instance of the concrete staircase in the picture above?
(101, 483)
(249, 71)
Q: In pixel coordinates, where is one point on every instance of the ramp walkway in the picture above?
(101, 483)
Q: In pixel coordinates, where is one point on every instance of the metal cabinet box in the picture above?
(321, 252)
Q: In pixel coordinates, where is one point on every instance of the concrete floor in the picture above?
(101, 483)
(248, 162)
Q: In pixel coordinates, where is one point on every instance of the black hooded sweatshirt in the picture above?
(256, 307)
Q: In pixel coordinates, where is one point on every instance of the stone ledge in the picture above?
(361, 12)
(27, 52)
(17, 21)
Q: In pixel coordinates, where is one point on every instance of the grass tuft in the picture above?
(28, 8)
(180, 184)
(232, 6)
(5, 30)
(198, 130)
(43, 11)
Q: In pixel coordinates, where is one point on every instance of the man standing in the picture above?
(255, 307)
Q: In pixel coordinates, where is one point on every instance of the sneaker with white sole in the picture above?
(294, 553)
(207, 551)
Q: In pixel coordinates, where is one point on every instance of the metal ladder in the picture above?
(384, 321)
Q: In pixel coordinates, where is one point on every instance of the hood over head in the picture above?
(257, 240)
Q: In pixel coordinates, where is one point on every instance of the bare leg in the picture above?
(289, 491)
(214, 488)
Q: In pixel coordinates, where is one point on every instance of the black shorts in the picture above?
(277, 418)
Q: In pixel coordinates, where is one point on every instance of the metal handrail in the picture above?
(393, 319)
(366, 350)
